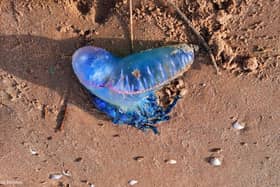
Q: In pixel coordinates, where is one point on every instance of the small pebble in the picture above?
(215, 161)
(237, 125)
(171, 161)
(55, 176)
(132, 182)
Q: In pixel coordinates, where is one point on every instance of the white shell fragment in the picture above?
(170, 161)
(132, 182)
(238, 126)
(55, 176)
(139, 158)
(215, 161)
(33, 152)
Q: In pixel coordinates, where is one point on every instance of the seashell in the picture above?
(33, 152)
(170, 162)
(125, 88)
(55, 176)
(238, 126)
(132, 182)
(215, 161)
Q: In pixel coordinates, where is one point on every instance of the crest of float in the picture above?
(125, 88)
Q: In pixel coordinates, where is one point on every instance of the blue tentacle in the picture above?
(147, 114)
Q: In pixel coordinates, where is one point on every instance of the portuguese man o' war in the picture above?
(126, 88)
